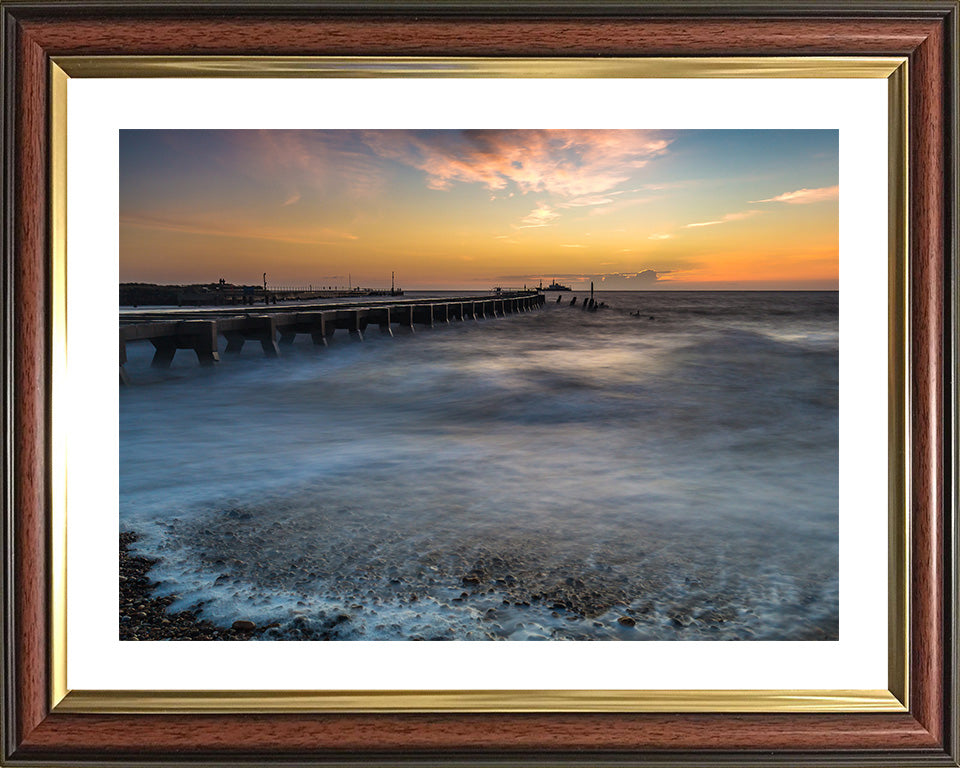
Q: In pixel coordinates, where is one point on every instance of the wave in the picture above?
(536, 476)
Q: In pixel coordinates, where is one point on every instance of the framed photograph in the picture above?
(447, 329)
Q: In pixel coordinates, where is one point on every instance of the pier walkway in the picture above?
(273, 327)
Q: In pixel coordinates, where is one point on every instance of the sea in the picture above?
(665, 468)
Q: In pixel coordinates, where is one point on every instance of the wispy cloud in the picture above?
(322, 162)
(541, 216)
(589, 200)
(578, 165)
(294, 198)
(572, 245)
(620, 204)
(323, 236)
(659, 237)
(723, 220)
(803, 196)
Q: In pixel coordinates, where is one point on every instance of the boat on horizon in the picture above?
(555, 286)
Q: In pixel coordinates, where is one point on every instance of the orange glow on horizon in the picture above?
(627, 209)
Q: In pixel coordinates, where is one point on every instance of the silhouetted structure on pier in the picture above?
(225, 294)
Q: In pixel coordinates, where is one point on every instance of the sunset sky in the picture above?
(710, 209)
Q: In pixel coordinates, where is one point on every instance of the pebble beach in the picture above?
(145, 617)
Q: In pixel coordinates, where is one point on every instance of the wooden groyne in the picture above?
(273, 328)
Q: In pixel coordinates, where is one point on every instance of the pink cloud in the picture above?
(579, 165)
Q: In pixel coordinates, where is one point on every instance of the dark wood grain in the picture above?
(927, 359)
(917, 737)
(469, 37)
(549, 733)
(29, 372)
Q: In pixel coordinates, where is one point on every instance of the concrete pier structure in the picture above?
(199, 330)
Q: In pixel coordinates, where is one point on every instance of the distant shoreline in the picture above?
(145, 296)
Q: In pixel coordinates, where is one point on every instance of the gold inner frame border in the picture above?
(894, 699)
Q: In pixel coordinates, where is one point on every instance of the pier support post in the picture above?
(124, 376)
(405, 318)
(234, 342)
(198, 335)
(323, 330)
(423, 314)
(204, 333)
(357, 326)
(267, 335)
(164, 350)
(384, 320)
(262, 328)
(318, 330)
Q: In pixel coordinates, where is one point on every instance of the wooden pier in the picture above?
(274, 328)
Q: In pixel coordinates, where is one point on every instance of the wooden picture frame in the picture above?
(37, 731)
